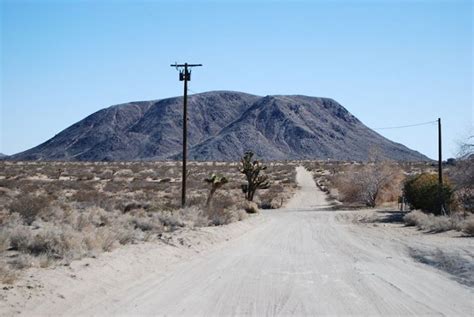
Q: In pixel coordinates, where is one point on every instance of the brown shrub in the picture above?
(145, 223)
(4, 239)
(20, 238)
(468, 225)
(250, 207)
(415, 218)
(270, 199)
(21, 261)
(7, 275)
(29, 207)
(462, 174)
(107, 239)
(369, 184)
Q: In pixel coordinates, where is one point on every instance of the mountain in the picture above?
(222, 126)
(2, 156)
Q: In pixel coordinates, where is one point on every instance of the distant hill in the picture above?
(222, 125)
(2, 155)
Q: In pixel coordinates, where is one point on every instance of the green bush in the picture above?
(421, 192)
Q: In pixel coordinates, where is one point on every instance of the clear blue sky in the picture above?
(388, 62)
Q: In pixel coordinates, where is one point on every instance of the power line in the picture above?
(407, 126)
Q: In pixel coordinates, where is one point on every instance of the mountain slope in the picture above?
(222, 125)
(299, 127)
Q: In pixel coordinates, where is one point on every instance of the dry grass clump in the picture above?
(7, 274)
(4, 240)
(435, 224)
(272, 198)
(224, 209)
(29, 207)
(468, 225)
(250, 207)
(218, 217)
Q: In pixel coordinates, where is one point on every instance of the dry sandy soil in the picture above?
(301, 260)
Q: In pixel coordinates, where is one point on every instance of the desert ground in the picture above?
(306, 258)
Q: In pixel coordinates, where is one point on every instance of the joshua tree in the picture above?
(216, 181)
(251, 170)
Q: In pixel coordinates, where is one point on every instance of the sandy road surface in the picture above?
(299, 261)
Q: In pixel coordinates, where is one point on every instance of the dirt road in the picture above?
(299, 261)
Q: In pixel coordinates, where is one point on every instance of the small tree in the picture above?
(216, 181)
(374, 178)
(370, 184)
(251, 170)
(422, 192)
(462, 175)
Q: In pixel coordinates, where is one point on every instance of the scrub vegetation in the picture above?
(56, 212)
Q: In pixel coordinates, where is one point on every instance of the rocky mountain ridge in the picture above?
(222, 125)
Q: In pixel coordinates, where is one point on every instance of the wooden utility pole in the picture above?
(440, 171)
(184, 75)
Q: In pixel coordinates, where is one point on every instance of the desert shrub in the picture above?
(145, 223)
(42, 243)
(167, 203)
(250, 207)
(433, 223)
(7, 274)
(101, 239)
(421, 192)
(21, 261)
(4, 239)
(192, 217)
(174, 219)
(468, 225)
(218, 216)
(439, 223)
(222, 211)
(107, 238)
(270, 199)
(44, 260)
(63, 243)
(462, 175)
(415, 218)
(125, 236)
(115, 187)
(371, 184)
(133, 205)
(20, 238)
(347, 190)
(29, 207)
(106, 174)
(91, 198)
(241, 214)
(196, 200)
(225, 201)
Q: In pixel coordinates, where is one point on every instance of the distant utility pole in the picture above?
(184, 75)
(440, 171)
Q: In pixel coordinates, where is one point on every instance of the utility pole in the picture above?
(440, 171)
(184, 75)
